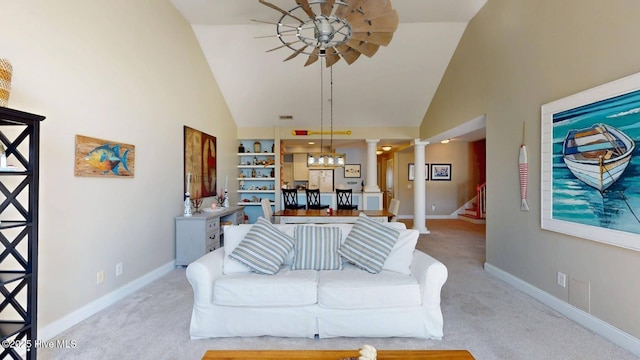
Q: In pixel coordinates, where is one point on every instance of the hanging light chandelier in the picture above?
(326, 159)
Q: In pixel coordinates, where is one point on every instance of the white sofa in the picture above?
(402, 300)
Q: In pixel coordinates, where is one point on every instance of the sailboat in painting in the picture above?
(597, 155)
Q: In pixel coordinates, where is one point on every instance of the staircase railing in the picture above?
(481, 203)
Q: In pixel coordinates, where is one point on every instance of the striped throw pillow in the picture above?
(368, 244)
(316, 248)
(264, 248)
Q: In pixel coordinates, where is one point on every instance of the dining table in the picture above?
(323, 216)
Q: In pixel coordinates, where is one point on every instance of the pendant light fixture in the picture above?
(326, 159)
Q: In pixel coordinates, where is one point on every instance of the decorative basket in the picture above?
(5, 81)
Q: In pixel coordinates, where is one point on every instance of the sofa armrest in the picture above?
(431, 275)
(202, 273)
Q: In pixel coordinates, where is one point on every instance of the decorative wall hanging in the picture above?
(523, 170)
(352, 171)
(5, 81)
(200, 162)
(412, 172)
(440, 172)
(590, 168)
(103, 158)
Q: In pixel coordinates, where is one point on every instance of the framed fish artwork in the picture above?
(103, 158)
(591, 164)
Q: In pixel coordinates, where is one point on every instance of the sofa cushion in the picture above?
(286, 288)
(264, 248)
(369, 243)
(316, 248)
(353, 288)
(400, 257)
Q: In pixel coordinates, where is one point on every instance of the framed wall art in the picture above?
(412, 173)
(590, 164)
(441, 172)
(200, 162)
(352, 171)
(103, 158)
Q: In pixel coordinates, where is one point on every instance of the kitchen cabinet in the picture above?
(300, 168)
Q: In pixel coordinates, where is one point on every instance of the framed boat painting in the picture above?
(591, 164)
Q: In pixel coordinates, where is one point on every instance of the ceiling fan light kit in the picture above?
(335, 29)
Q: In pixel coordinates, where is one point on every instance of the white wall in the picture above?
(126, 71)
(515, 56)
(448, 196)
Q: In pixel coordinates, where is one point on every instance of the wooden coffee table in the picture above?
(334, 354)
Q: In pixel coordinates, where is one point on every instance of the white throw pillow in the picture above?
(401, 256)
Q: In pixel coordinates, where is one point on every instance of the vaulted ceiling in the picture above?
(392, 88)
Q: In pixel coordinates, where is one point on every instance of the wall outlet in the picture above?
(562, 279)
(100, 277)
(118, 269)
(433, 207)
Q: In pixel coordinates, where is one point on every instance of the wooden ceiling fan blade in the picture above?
(343, 11)
(296, 53)
(387, 23)
(365, 48)
(331, 56)
(282, 11)
(304, 4)
(284, 45)
(378, 38)
(369, 9)
(349, 54)
(313, 57)
(327, 7)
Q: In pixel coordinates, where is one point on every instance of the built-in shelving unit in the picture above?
(257, 167)
(20, 136)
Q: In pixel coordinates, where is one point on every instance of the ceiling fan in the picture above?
(335, 29)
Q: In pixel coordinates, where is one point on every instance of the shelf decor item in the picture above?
(5, 81)
(257, 147)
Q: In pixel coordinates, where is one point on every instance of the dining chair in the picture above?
(394, 207)
(313, 200)
(266, 209)
(345, 197)
(291, 199)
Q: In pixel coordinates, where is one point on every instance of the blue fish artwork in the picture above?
(107, 158)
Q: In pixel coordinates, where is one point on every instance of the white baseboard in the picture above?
(55, 328)
(600, 327)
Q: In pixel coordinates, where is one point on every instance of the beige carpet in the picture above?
(482, 314)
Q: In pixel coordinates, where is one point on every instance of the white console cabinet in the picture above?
(201, 233)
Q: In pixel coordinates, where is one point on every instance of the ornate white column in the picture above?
(419, 186)
(371, 182)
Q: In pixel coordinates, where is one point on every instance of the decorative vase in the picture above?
(257, 147)
(5, 81)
